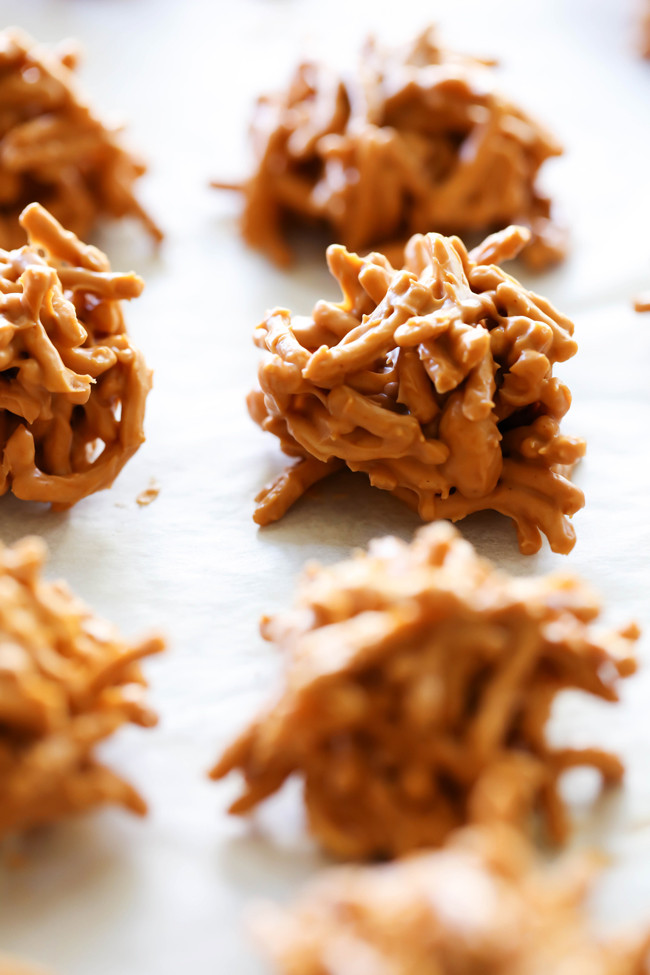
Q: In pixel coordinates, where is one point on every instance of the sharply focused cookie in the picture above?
(72, 386)
(435, 379)
(418, 683)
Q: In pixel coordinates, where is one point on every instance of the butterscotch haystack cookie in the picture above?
(436, 380)
(418, 684)
(54, 149)
(416, 139)
(67, 681)
(72, 387)
(484, 905)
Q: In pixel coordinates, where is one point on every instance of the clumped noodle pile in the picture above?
(53, 149)
(72, 387)
(415, 140)
(67, 681)
(418, 684)
(483, 905)
(435, 379)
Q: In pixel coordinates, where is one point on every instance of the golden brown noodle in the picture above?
(72, 387)
(67, 682)
(418, 685)
(415, 140)
(54, 149)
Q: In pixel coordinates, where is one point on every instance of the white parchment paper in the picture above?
(107, 894)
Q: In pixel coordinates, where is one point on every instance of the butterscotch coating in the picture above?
(68, 680)
(416, 139)
(483, 905)
(54, 149)
(73, 388)
(435, 379)
(417, 687)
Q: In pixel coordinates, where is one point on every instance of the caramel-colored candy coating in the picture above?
(53, 148)
(436, 380)
(483, 905)
(416, 139)
(67, 682)
(417, 688)
(72, 387)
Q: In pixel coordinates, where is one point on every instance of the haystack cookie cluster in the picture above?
(419, 128)
(54, 149)
(482, 905)
(435, 379)
(73, 389)
(72, 401)
(67, 681)
(418, 684)
(418, 679)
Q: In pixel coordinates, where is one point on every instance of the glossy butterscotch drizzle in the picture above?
(72, 387)
(435, 379)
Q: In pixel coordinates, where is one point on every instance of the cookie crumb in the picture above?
(149, 494)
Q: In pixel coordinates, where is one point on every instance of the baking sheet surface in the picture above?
(108, 894)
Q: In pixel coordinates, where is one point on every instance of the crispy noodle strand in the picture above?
(72, 387)
(54, 149)
(436, 380)
(418, 684)
(415, 139)
(67, 681)
(483, 905)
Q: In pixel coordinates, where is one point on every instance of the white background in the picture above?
(108, 894)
